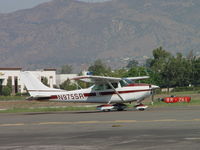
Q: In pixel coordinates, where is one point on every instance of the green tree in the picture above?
(161, 57)
(183, 70)
(67, 85)
(44, 80)
(195, 73)
(120, 73)
(176, 72)
(99, 68)
(158, 64)
(7, 90)
(66, 69)
(132, 63)
(138, 71)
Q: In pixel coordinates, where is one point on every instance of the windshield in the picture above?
(129, 81)
(125, 82)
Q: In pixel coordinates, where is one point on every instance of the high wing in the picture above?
(104, 79)
(97, 79)
(138, 78)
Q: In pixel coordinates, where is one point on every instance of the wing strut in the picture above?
(115, 92)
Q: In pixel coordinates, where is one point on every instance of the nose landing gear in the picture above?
(141, 107)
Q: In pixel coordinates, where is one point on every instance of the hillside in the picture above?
(75, 32)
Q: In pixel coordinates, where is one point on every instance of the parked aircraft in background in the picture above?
(112, 92)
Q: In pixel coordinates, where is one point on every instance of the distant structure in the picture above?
(13, 74)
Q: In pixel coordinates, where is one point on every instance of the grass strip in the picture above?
(47, 109)
(163, 104)
(8, 98)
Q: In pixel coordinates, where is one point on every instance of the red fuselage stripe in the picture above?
(123, 92)
(106, 93)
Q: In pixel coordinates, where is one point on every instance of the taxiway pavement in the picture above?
(174, 128)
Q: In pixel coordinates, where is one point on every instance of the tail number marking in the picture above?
(74, 96)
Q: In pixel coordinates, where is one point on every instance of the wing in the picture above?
(97, 79)
(103, 79)
(138, 78)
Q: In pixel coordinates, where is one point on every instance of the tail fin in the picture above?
(34, 86)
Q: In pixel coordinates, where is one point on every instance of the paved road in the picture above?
(154, 129)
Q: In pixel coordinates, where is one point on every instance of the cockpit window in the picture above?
(105, 86)
(115, 85)
(125, 82)
(129, 81)
(98, 87)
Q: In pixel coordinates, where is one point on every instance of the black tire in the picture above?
(106, 110)
(120, 109)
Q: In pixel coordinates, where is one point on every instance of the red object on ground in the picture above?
(178, 99)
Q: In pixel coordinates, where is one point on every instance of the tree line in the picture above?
(165, 70)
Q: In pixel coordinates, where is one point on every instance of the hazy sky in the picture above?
(13, 5)
(7, 6)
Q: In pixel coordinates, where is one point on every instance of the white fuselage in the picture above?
(105, 90)
(89, 95)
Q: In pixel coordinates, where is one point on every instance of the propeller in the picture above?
(153, 88)
(152, 96)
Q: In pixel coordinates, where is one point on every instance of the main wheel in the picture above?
(106, 110)
(120, 109)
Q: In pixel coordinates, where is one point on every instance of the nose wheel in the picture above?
(141, 107)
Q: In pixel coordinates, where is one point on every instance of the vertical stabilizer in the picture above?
(34, 86)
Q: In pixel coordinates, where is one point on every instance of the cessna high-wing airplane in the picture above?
(112, 92)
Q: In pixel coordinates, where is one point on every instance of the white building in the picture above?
(13, 74)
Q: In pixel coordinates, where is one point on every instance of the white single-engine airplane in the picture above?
(111, 91)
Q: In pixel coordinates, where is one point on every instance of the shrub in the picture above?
(6, 91)
(182, 89)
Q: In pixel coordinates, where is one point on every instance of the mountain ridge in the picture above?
(73, 32)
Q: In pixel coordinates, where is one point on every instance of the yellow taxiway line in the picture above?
(98, 122)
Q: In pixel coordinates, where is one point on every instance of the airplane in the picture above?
(112, 92)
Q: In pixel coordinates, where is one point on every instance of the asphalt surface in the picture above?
(171, 128)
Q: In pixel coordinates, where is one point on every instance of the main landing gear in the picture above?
(109, 107)
(120, 107)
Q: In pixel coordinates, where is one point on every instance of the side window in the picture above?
(115, 85)
(98, 87)
(108, 87)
